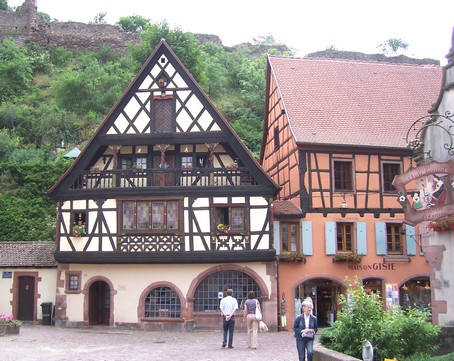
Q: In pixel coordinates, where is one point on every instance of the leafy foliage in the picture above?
(28, 214)
(54, 96)
(133, 24)
(392, 46)
(398, 334)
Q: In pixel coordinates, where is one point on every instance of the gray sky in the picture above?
(305, 26)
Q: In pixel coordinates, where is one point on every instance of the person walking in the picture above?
(228, 306)
(252, 323)
(305, 327)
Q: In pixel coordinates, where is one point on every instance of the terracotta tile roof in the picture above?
(335, 101)
(286, 208)
(27, 254)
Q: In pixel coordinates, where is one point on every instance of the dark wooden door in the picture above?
(26, 298)
(99, 304)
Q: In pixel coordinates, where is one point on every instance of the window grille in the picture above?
(212, 289)
(162, 302)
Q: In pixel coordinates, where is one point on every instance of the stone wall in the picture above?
(24, 24)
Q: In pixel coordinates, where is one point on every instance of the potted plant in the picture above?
(442, 224)
(8, 325)
(136, 168)
(346, 257)
(95, 169)
(287, 256)
(78, 230)
(233, 166)
(223, 228)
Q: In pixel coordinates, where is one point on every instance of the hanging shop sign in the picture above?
(426, 192)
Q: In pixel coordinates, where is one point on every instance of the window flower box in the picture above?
(442, 224)
(342, 257)
(78, 230)
(296, 257)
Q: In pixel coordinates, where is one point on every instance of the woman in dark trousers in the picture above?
(305, 327)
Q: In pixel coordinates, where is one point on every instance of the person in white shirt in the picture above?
(305, 327)
(228, 307)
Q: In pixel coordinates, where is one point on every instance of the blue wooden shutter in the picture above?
(330, 238)
(410, 239)
(380, 238)
(277, 236)
(361, 238)
(306, 231)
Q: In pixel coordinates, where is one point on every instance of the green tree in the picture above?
(133, 24)
(16, 70)
(100, 18)
(27, 213)
(396, 334)
(183, 44)
(392, 46)
(4, 5)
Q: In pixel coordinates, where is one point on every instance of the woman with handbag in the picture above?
(253, 316)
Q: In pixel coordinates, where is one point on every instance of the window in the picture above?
(162, 302)
(343, 175)
(344, 237)
(233, 218)
(73, 281)
(150, 215)
(202, 161)
(129, 163)
(79, 223)
(126, 163)
(390, 170)
(210, 291)
(141, 162)
(186, 162)
(290, 237)
(394, 238)
(277, 143)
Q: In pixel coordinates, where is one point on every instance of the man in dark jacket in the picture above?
(305, 327)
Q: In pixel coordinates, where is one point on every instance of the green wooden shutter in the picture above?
(330, 238)
(410, 239)
(277, 236)
(306, 231)
(361, 238)
(380, 238)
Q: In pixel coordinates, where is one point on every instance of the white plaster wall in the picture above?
(129, 281)
(434, 141)
(46, 288)
(445, 276)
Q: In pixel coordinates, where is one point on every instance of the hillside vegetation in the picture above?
(53, 99)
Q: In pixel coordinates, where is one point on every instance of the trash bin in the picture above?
(46, 307)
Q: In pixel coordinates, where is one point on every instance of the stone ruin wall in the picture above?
(23, 24)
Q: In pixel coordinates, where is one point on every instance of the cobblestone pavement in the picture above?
(36, 343)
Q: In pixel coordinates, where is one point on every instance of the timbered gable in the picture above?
(322, 143)
(164, 174)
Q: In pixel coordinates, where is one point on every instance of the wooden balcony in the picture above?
(132, 178)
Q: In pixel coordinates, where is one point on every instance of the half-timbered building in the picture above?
(334, 139)
(164, 209)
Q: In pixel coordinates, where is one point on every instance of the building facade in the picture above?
(162, 211)
(334, 141)
(28, 278)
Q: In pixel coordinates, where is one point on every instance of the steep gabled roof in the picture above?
(129, 122)
(345, 102)
(27, 254)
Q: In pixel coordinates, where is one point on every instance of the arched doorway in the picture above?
(416, 293)
(99, 303)
(324, 294)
